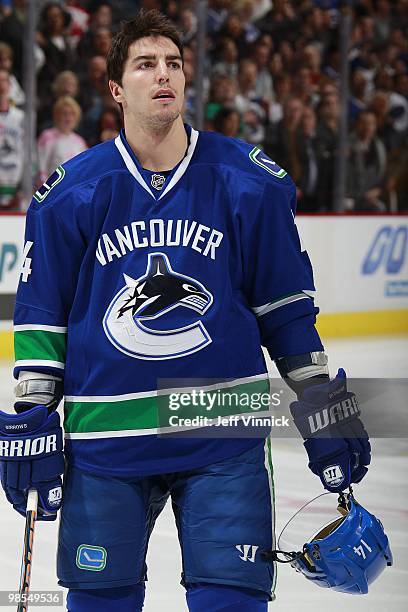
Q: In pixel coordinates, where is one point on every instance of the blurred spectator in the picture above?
(382, 20)
(332, 67)
(11, 147)
(261, 57)
(287, 55)
(248, 105)
(188, 25)
(101, 42)
(311, 58)
(79, 21)
(280, 22)
(397, 181)
(228, 55)
(276, 66)
(328, 111)
(110, 124)
(65, 84)
(303, 87)
(5, 8)
(12, 33)
(367, 165)
(318, 27)
(391, 112)
(222, 93)
(241, 33)
(401, 84)
(247, 76)
(358, 94)
(60, 143)
(101, 17)
(217, 13)
(276, 62)
(245, 15)
(227, 121)
(280, 138)
(17, 96)
(307, 163)
(93, 94)
(282, 87)
(190, 92)
(53, 40)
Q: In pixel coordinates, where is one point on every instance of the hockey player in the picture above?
(165, 254)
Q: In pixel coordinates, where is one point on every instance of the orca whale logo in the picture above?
(149, 297)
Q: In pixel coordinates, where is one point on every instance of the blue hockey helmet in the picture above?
(346, 555)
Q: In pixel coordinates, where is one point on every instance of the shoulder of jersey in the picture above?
(239, 156)
(81, 173)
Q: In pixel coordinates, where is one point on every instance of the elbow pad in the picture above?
(303, 371)
(34, 388)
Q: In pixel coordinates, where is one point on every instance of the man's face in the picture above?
(103, 16)
(102, 41)
(55, 18)
(261, 55)
(308, 121)
(366, 126)
(248, 74)
(97, 69)
(293, 110)
(153, 82)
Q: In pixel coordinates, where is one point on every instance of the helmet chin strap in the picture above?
(273, 555)
(291, 556)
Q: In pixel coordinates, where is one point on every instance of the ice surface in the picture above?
(383, 491)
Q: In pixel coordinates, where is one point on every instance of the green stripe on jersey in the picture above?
(153, 412)
(40, 344)
(272, 488)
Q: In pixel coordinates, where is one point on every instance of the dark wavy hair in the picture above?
(146, 23)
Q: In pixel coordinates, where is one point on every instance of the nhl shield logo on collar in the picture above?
(158, 181)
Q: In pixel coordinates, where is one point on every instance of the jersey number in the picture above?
(26, 267)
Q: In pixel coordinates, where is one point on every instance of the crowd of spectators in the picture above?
(272, 79)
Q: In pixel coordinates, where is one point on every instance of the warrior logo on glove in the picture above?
(336, 413)
(31, 457)
(333, 475)
(336, 441)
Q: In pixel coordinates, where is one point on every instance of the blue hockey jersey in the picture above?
(135, 280)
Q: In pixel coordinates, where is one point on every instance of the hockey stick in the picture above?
(31, 515)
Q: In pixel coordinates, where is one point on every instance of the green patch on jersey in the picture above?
(260, 159)
(91, 558)
(55, 178)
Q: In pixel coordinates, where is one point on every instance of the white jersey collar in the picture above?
(133, 169)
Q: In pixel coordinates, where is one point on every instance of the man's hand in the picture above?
(31, 457)
(336, 442)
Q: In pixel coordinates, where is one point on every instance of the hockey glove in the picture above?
(336, 442)
(31, 457)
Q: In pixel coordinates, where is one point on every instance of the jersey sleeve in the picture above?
(278, 276)
(53, 251)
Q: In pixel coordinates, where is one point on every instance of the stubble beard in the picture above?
(160, 121)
